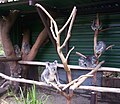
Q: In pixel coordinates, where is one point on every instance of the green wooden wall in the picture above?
(81, 37)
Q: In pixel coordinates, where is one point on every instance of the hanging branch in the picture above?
(56, 35)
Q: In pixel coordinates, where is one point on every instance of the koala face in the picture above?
(52, 67)
(82, 62)
(100, 48)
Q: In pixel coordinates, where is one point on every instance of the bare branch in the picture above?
(69, 52)
(96, 34)
(70, 27)
(109, 47)
(81, 80)
(73, 13)
(56, 36)
(80, 54)
(105, 29)
(55, 86)
(51, 18)
(51, 28)
(72, 82)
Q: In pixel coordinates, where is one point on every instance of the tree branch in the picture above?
(72, 82)
(80, 54)
(81, 80)
(51, 18)
(51, 28)
(70, 27)
(71, 16)
(110, 46)
(96, 34)
(69, 52)
(40, 39)
(56, 35)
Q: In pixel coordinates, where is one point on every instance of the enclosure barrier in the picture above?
(93, 88)
(73, 67)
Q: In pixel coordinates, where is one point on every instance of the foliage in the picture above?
(1, 50)
(31, 98)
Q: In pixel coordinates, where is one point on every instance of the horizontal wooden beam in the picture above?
(100, 89)
(71, 66)
(93, 88)
(5, 59)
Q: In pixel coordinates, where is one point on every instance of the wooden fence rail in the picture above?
(71, 66)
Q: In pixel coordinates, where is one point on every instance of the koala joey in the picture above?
(50, 73)
(89, 62)
(100, 47)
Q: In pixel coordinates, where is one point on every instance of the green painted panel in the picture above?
(82, 38)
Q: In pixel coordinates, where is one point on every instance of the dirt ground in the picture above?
(53, 98)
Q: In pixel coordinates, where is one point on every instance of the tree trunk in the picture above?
(33, 52)
(5, 26)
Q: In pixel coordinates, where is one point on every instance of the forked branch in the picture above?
(82, 79)
(56, 35)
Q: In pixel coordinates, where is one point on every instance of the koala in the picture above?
(95, 27)
(82, 62)
(50, 73)
(17, 50)
(26, 47)
(89, 62)
(100, 47)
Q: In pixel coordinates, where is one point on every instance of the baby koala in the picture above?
(50, 73)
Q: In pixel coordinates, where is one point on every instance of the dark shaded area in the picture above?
(60, 8)
(113, 98)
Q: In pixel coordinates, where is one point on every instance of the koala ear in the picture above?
(55, 62)
(47, 63)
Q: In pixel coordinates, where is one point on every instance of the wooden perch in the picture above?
(93, 88)
(22, 80)
(100, 89)
(81, 80)
(10, 59)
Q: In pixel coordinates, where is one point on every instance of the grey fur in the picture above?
(50, 73)
(100, 48)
